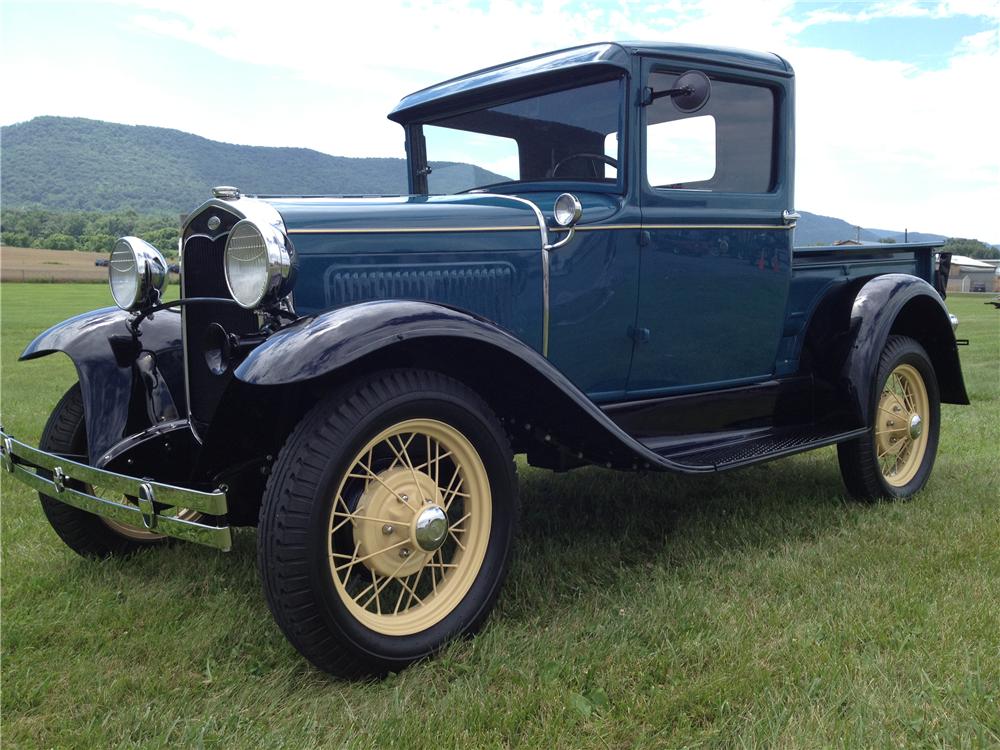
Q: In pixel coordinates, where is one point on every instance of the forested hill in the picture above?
(71, 163)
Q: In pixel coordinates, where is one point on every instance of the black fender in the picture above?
(128, 382)
(535, 400)
(907, 305)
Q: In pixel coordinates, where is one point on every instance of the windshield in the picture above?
(562, 135)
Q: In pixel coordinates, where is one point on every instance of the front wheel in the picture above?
(388, 522)
(894, 460)
(87, 534)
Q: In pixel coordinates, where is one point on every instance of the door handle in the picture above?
(790, 217)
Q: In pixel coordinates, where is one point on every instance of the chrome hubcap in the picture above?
(916, 426)
(431, 528)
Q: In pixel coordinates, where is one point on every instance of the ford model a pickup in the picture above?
(594, 265)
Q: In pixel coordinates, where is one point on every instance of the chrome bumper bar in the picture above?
(30, 466)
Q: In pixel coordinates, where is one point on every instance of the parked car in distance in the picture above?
(593, 266)
(101, 262)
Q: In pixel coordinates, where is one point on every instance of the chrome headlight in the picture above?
(137, 273)
(259, 264)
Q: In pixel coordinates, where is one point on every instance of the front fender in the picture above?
(108, 362)
(516, 376)
(316, 346)
(907, 305)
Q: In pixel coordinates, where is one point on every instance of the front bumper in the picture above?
(50, 474)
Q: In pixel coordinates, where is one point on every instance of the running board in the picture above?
(743, 451)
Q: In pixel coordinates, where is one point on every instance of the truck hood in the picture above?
(415, 213)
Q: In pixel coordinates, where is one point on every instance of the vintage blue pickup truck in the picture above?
(594, 265)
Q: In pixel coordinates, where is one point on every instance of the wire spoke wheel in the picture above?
(86, 533)
(388, 522)
(901, 425)
(895, 459)
(409, 526)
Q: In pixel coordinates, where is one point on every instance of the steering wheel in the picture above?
(582, 155)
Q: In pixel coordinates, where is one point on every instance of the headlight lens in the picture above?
(258, 264)
(137, 273)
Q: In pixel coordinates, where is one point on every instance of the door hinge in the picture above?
(639, 335)
(644, 238)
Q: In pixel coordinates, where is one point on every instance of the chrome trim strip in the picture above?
(23, 461)
(409, 230)
(598, 228)
(603, 227)
(543, 228)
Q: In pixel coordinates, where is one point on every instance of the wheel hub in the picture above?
(894, 427)
(916, 426)
(430, 528)
(400, 522)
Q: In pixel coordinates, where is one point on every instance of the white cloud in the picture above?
(881, 143)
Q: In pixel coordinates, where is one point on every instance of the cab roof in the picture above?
(607, 54)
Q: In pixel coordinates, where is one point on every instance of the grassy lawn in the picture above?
(753, 609)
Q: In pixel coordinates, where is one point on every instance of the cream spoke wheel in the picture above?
(901, 425)
(409, 526)
(895, 457)
(388, 521)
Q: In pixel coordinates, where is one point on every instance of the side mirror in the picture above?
(696, 88)
(691, 92)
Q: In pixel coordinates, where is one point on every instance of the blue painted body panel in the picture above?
(481, 253)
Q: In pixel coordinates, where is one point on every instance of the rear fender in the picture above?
(905, 305)
(128, 382)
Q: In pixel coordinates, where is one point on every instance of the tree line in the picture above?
(94, 231)
(971, 248)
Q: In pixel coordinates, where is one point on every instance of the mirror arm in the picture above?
(556, 245)
(651, 96)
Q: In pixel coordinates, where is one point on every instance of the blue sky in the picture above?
(897, 103)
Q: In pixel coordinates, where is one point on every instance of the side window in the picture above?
(611, 150)
(727, 146)
(679, 152)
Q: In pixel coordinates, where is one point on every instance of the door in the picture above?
(715, 255)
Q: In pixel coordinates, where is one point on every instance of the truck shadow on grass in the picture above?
(580, 528)
(597, 529)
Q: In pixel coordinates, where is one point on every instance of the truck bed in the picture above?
(916, 258)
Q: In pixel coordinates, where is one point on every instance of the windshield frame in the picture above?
(417, 151)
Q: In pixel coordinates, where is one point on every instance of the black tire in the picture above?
(299, 508)
(86, 534)
(859, 463)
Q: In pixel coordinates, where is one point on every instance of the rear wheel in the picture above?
(388, 523)
(895, 459)
(85, 533)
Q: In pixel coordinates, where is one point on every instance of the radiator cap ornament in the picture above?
(226, 192)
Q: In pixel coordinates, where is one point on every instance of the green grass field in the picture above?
(754, 609)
